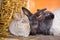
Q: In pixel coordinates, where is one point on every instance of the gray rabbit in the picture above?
(40, 22)
(33, 20)
(45, 22)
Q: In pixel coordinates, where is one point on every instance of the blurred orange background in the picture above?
(39, 4)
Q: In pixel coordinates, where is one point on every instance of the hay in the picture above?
(8, 7)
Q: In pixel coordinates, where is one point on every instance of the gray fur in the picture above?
(39, 25)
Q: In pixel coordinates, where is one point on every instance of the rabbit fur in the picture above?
(40, 22)
(19, 26)
(45, 23)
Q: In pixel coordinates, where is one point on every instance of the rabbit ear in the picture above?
(40, 11)
(26, 11)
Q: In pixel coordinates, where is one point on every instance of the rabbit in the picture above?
(45, 21)
(19, 26)
(33, 21)
(55, 29)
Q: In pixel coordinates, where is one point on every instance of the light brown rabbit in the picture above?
(19, 26)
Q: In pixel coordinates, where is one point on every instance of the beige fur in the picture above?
(20, 25)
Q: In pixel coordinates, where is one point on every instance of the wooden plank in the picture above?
(36, 37)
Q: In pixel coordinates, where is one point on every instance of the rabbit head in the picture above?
(45, 14)
(33, 19)
(48, 15)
